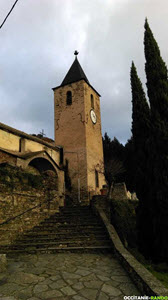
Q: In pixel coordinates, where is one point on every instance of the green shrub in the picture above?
(12, 176)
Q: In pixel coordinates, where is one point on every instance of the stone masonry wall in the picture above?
(122, 214)
(94, 145)
(80, 138)
(119, 192)
(4, 157)
(19, 197)
(10, 139)
(11, 230)
(70, 133)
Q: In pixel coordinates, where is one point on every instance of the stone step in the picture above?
(67, 231)
(66, 226)
(75, 208)
(72, 221)
(60, 237)
(73, 229)
(77, 249)
(73, 217)
(33, 246)
(72, 211)
(66, 239)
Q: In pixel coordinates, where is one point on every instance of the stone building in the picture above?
(77, 132)
(31, 153)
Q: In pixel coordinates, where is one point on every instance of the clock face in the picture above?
(93, 116)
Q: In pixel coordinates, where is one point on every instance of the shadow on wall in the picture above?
(41, 164)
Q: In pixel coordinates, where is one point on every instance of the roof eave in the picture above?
(62, 85)
(27, 136)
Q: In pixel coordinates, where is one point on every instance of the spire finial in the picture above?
(76, 53)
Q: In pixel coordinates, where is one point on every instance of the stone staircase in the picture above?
(73, 229)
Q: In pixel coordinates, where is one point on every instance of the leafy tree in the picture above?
(113, 160)
(129, 164)
(112, 148)
(117, 149)
(106, 146)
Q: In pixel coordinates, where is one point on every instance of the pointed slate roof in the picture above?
(75, 73)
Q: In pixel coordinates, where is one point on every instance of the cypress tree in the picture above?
(157, 76)
(140, 131)
(140, 136)
(140, 111)
(157, 164)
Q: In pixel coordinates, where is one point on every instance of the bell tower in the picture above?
(78, 131)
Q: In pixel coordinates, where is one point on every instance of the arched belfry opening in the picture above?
(92, 101)
(69, 98)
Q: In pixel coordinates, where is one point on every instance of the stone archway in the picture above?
(45, 168)
(50, 178)
(42, 165)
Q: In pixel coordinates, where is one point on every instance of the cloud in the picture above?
(37, 45)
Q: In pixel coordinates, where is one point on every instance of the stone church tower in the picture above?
(78, 131)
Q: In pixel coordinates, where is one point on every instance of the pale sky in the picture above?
(37, 45)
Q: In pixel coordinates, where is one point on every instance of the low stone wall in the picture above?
(15, 202)
(3, 263)
(119, 192)
(123, 218)
(25, 200)
(122, 214)
(144, 280)
(103, 202)
(26, 211)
